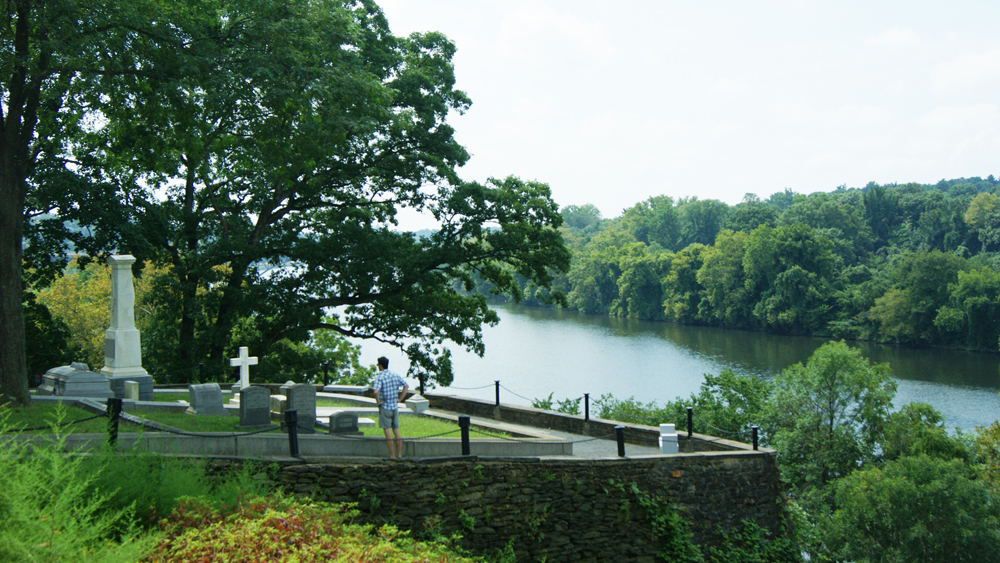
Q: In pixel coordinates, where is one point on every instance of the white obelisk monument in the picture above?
(122, 350)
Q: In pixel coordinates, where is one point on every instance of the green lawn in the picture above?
(41, 415)
(172, 397)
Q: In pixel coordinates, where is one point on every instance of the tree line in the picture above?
(911, 263)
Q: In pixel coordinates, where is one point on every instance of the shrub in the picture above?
(49, 510)
(280, 529)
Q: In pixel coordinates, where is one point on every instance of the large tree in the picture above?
(50, 51)
(269, 183)
(261, 150)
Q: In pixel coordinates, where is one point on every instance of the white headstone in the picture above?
(132, 390)
(668, 439)
(417, 404)
(122, 347)
(245, 360)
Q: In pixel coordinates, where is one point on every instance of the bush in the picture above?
(49, 510)
(753, 545)
(280, 529)
(175, 478)
(915, 509)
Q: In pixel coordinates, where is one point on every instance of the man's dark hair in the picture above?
(383, 362)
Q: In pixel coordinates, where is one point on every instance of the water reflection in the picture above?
(535, 351)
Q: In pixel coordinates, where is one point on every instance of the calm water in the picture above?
(534, 352)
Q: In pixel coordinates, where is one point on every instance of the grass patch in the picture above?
(41, 414)
(423, 426)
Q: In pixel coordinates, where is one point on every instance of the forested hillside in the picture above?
(910, 263)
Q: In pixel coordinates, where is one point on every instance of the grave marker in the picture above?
(302, 399)
(206, 399)
(244, 361)
(75, 380)
(122, 346)
(668, 439)
(131, 390)
(345, 424)
(255, 408)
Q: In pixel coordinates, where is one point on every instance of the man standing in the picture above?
(390, 389)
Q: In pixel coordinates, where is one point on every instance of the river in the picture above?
(535, 351)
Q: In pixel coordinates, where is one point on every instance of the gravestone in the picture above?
(75, 380)
(345, 424)
(302, 399)
(417, 404)
(206, 399)
(122, 346)
(131, 390)
(278, 403)
(255, 411)
(668, 439)
(244, 361)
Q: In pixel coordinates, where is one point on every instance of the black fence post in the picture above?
(690, 421)
(753, 430)
(114, 411)
(292, 422)
(423, 381)
(326, 373)
(498, 392)
(463, 423)
(620, 436)
(586, 407)
(201, 373)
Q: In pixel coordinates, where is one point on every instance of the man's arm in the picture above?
(402, 393)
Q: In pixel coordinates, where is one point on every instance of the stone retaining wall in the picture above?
(553, 510)
(638, 434)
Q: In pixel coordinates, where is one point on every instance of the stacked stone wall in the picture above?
(553, 510)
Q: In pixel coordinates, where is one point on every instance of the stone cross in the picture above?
(244, 361)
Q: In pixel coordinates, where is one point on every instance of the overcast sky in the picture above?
(613, 102)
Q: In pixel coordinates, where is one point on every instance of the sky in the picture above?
(613, 103)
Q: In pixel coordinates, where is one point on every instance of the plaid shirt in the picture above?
(387, 384)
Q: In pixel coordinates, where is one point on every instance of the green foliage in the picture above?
(682, 293)
(727, 403)
(918, 429)
(914, 509)
(987, 448)
(753, 544)
(983, 216)
(654, 221)
(175, 479)
(906, 313)
(568, 406)
(47, 339)
(668, 526)
(50, 511)
(280, 529)
(827, 417)
(750, 214)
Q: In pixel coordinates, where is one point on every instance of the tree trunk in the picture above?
(13, 370)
